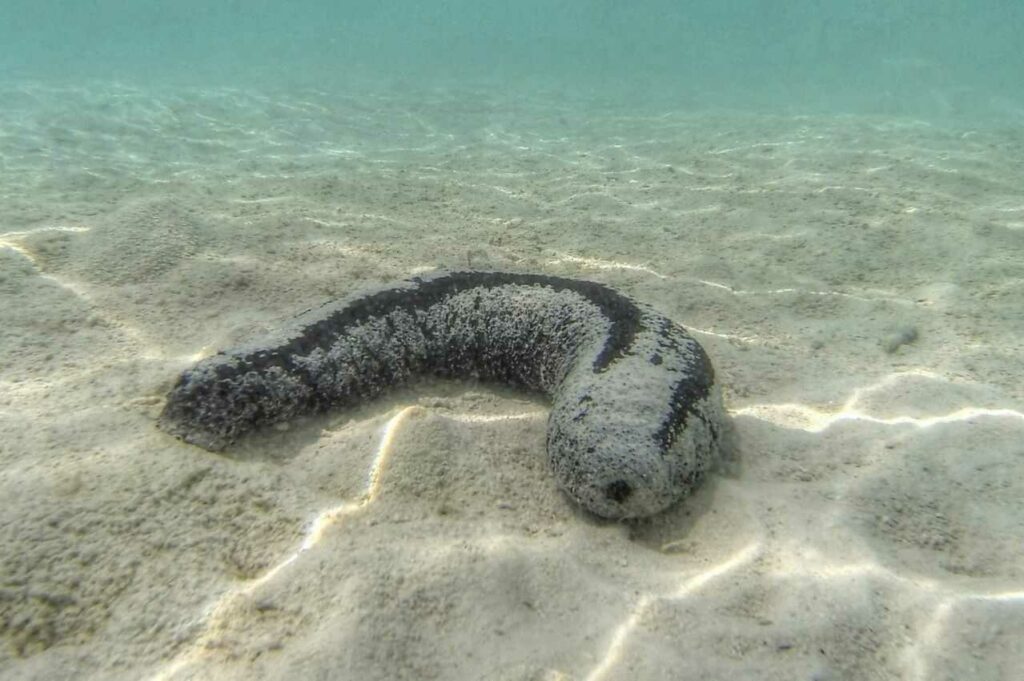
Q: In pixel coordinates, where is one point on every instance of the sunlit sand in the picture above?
(865, 523)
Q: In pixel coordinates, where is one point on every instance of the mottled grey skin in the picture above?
(635, 417)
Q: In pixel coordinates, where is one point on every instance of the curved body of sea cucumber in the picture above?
(636, 414)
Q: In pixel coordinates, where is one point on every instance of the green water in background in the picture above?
(924, 58)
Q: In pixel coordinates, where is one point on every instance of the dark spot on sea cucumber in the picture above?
(618, 491)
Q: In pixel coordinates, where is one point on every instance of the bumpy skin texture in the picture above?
(635, 417)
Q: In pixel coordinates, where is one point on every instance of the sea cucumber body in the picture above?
(635, 416)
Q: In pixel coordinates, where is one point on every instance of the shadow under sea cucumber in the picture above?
(636, 414)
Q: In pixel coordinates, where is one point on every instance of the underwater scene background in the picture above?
(826, 194)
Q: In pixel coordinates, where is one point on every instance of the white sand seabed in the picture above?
(858, 283)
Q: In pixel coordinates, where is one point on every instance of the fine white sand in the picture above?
(859, 284)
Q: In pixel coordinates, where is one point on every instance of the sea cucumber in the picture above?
(635, 417)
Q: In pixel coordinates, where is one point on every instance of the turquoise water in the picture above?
(920, 57)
